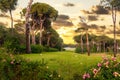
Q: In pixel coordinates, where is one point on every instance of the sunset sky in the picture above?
(97, 18)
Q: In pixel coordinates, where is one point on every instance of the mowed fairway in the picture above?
(66, 63)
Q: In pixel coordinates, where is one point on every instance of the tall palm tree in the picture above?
(8, 6)
(27, 24)
(85, 29)
(113, 5)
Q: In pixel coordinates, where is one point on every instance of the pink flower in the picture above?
(95, 71)
(105, 58)
(86, 75)
(12, 62)
(113, 58)
(116, 74)
(106, 64)
(99, 64)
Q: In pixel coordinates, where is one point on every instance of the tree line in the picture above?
(36, 28)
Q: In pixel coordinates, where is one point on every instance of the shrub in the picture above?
(36, 48)
(108, 69)
(78, 50)
(11, 44)
(21, 49)
(53, 50)
(49, 49)
(16, 68)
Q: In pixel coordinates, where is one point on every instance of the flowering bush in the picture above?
(107, 69)
(16, 68)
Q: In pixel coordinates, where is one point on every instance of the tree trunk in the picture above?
(40, 37)
(28, 48)
(104, 46)
(11, 21)
(33, 34)
(114, 29)
(87, 44)
(100, 46)
(81, 44)
(48, 40)
(41, 27)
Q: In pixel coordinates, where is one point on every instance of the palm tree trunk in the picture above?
(87, 44)
(41, 27)
(40, 37)
(11, 21)
(104, 46)
(114, 29)
(48, 40)
(33, 34)
(81, 44)
(28, 48)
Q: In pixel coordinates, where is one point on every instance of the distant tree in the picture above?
(85, 29)
(113, 5)
(8, 5)
(81, 38)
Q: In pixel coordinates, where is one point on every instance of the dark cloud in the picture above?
(86, 26)
(92, 18)
(96, 10)
(86, 12)
(63, 17)
(63, 23)
(62, 20)
(103, 27)
(99, 10)
(93, 26)
(69, 4)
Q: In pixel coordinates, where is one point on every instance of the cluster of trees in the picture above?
(96, 43)
(36, 29)
(112, 5)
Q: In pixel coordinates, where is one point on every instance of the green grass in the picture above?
(66, 63)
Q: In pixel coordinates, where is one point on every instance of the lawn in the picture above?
(66, 63)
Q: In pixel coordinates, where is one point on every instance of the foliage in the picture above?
(21, 49)
(49, 49)
(107, 69)
(78, 50)
(36, 48)
(97, 43)
(11, 44)
(16, 68)
(6, 5)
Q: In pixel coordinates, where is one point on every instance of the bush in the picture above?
(16, 68)
(11, 44)
(49, 49)
(108, 69)
(78, 50)
(21, 49)
(36, 48)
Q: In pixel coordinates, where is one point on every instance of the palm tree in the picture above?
(113, 5)
(8, 5)
(85, 29)
(27, 24)
(79, 38)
